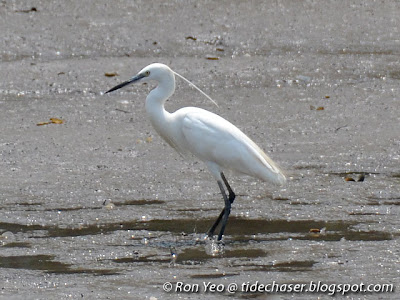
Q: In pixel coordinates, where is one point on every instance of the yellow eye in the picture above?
(147, 73)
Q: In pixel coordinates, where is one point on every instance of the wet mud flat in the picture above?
(99, 207)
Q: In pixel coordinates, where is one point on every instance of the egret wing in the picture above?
(206, 133)
(214, 139)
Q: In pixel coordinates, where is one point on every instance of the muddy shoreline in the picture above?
(99, 207)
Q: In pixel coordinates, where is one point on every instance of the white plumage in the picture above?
(211, 138)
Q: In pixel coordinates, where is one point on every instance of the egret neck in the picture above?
(159, 117)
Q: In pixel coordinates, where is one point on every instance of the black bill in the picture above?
(132, 80)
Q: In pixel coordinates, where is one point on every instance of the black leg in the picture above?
(230, 200)
(212, 229)
(231, 193)
(227, 211)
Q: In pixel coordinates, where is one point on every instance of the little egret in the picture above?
(214, 140)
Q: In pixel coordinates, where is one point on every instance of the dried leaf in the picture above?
(327, 97)
(33, 9)
(320, 108)
(56, 121)
(191, 38)
(43, 123)
(349, 179)
(315, 230)
(111, 74)
(149, 139)
(212, 57)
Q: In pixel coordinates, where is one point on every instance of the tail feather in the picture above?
(272, 173)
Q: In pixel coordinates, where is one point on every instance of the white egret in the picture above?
(214, 140)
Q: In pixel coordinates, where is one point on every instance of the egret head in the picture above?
(162, 74)
(156, 71)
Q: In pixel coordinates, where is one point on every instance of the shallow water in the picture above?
(99, 207)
